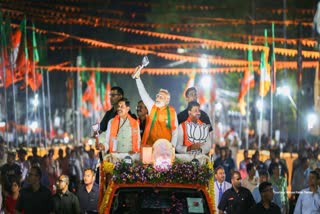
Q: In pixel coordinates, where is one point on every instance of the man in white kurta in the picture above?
(119, 138)
(309, 198)
(193, 134)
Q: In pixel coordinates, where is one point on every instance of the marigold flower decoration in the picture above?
(106, 197)
(211, 184)
(108, 167)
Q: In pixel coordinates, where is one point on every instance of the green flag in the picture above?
(34, 45)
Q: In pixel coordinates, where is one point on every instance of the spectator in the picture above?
(75, 173)
(62, 162)
(220, 185)
(281, 183)
(9, 171)
(243, 164)
(263, 177)
(11, 199)
(88, 193)
(237, 199)
(300, 176)
(23, 163)
(265, 205)
(251, 181)
(92, 161)
(35, 158)
(83, 157)
(309, 198)
(36, 198)
(260, 166)
(64, 201)
(225, 162)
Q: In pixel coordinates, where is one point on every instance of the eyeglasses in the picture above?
(60, 181)
(113, 95)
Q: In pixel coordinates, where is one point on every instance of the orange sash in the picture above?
(115, 128)
(160, 125)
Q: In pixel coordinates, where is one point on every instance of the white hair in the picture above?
(166, 92)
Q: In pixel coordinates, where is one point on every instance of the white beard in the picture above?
(159, 104)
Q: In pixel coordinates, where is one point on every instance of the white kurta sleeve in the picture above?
(180, 147)
(139, 137)
(174, 137)
(107, 142)
(144, 95)
(207, 145)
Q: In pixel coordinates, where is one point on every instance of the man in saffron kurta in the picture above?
(163, 120)
(193, 134)
(123, 134)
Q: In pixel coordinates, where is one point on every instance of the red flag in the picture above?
(246, 83)
(248, 79)
(12, 61)
(90, 92)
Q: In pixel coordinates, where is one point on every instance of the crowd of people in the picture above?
(68, 184)
(256, 186)
(35, 184)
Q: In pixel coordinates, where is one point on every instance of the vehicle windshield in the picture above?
(158, 200)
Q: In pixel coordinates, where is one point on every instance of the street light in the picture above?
(311, 120)
(35, 101)
(34, 125)
(205, 81)
(203, 61)
(259, 105)
(285, 91)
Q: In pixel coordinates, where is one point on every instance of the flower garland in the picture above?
(183, 173)
(211, 185)
(106, 197)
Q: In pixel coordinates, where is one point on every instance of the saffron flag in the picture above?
(34, 79)
(106, 103)
(11, 59)
(90, 92)
(265, 81)
(248, 79)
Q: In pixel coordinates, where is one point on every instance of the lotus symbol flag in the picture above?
(197, 133)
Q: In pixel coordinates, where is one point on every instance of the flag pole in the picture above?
(44, 109)
(78, 106)
(272, 83)
(49, 103)
(250, 67)
(24, 41)
(3, 45)
(13, 94)
(262, 78)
